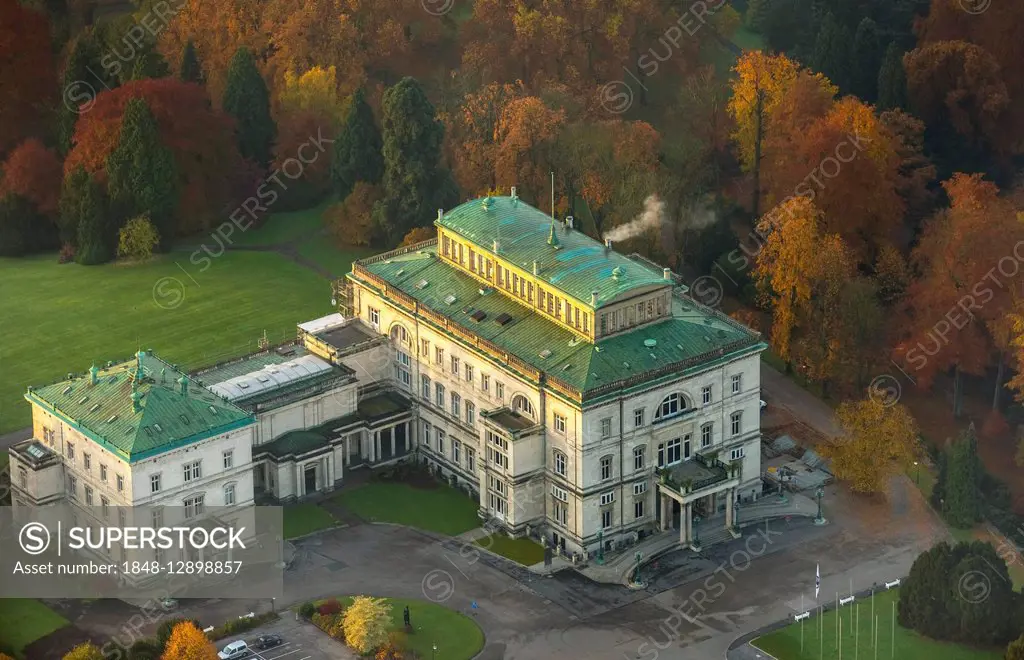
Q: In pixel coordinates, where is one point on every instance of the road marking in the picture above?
(295, 650)
(456, 567)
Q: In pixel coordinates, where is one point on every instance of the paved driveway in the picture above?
(302, 641)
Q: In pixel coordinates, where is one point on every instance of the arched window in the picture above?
(672, 405)
(522, 405)
(399, 334)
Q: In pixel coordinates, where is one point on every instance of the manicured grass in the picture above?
(285, 227)
(857, 637)
(306, 518)
(442, 509)
(323, 251)
(457, 636)
(5, 458)
(23, 621)
(525, 551)
(62, 318)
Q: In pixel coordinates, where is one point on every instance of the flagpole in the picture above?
(893, 631)
(801, 624)
(838, 616)
(856, 635)
(876, 638)
(840, 639)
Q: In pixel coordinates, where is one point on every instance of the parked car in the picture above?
(234, 650)
(268, 641)
(764, 404)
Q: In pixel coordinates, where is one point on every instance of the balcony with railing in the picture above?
(702, 473)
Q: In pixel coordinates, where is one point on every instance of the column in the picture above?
(689, 521)
(346, 449)
(298, 480)
(408, 436)
(730, 497)
(684, 525)
(393, 441)
(374, 446)
(483, 489)
(666, 512)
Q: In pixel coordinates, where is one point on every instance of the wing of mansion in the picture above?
(577, 393)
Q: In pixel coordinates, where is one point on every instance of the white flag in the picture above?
(817, 580)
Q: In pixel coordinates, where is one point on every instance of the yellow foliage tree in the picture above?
(85, 651)
(314, 91)
(137, 239)
(878, 440)
(189, 643)
(367, 622)
(418, 235)
(758, 74)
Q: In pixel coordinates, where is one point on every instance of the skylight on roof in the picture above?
(83, 400)
(35, 452)
(503, 319)
(449, 299)
(66, 390)
(112, 419)
(545, 354)
(422, 284)
(157, 427)
(95, 407)
(213, 410)
(263, 379)
(245, 386)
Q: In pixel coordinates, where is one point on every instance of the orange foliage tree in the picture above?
(201, 139)
(524, 146)
(27, 75)
(187, 642)
(35, 172)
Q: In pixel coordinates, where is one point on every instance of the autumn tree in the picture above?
(4, 656)
(35, 172)
(879, 440)
(247, 99)
(1015, 649)
(916, 172)
(190, 70)
(27, 75)
(524, 143)
(892, 80)
(351, 220)
(418, 235)
(367, 621)
(470, 135)
(137, 239)
(150, 64)
(957, 89)
(141, 172)
(892, 275)
(188, 642)
(415, 184)
(87, 651)
(211, 174)
(358, 150)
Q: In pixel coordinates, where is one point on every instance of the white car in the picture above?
(234, 650)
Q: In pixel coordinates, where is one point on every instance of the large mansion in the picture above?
(576, 392)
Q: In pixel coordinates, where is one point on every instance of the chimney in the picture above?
(495, 246)
(667, 273)
(534, 266)
(568, 221)
(183, 382)
(138, 364)
(607, 245)
(440, 214)
(94, 375)
(136, 399)
(513, 192)
(593, 298)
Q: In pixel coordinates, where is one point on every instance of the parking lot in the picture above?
(302, 641)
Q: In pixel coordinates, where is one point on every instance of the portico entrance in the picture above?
(695, 490)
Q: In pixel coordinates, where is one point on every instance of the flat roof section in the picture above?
(347, 335)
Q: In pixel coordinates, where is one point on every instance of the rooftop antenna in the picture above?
(552, 195)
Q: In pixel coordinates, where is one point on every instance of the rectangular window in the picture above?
(87, 461)
(737, 453)
(439, 395)
(639, 488)
(469, 373)
(103, 473)
(674, 447)
(559, 423)
(192, 471)
(424, 348)
(485, 383)
(455, 365)
(638, 509)
(403, 367)
(638, 417)
(438, 355)
(661, 455)
(120, 483)
(606, 468)
(686, 446)
(705, 394)
(194, 506)
(606, 518)
(706, 435)
(471, 413)
(440, 441)
(229, 494)
(560, 463)
(606, 427)
(88, 495)
(375, 318)
(456, 450)
(586, 322)
(425, 387)
(229, 459)
(607, 498)
(737, 422)
(104, 506)
(737, 383)
(154, 483)
(499, 391)
(456, 406)
(638, 457)
(73, 486)
(121, 517)
(470, 459)
(157, 515)
(560, 494)
(561, 514)
(71, 450)
(604, 324)
(425, 440)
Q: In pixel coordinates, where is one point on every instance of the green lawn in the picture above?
(442, 509)
(62, 318)
(525, 551)
(457, 636)
(285, 227)
(5, 458)
(302, 519)
(23, 621)
(322, 251)
(785, 644)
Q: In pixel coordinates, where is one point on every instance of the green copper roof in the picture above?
(293, 443)
(567, 259)
(165, 419)
(692, 333)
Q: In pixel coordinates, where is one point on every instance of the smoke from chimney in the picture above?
(652, 217)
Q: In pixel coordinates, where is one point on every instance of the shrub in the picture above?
(307, 610)
(237, 626)
(146, 649)
(137, 239)
(331, 606)
(67, 254)
(367, 622)
(163, 633)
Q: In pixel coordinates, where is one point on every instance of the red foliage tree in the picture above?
(33, 171)
(201, 138)
(27, 76)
